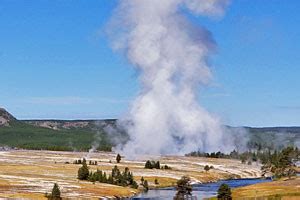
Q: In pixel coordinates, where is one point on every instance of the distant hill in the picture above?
(93, 125)
(273, 137)
(5, 117)
(73, 135)
(81, 135)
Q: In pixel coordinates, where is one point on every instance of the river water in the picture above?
(200, 191)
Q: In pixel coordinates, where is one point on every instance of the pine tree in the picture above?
(157, 165)
(110, 179)
(130, 178)
(83, 172)
(55, 194)
(115, 172)
(134, 185)
(148, 165)
(224, 192)
(206, 168)
(104, 178)
(99, 176)
(146, 186)
(118, 158)
(184, 188)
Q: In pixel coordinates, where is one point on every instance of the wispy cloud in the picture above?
(293, 107)
(112, 100)
(58, 100)
(72, 100)
(216, 95)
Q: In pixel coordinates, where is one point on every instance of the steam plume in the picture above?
(171, 54)
(95, 144)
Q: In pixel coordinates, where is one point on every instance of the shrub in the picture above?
(166, 167)
(224, 192)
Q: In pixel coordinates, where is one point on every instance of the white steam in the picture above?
(171, 54)
(95, 144)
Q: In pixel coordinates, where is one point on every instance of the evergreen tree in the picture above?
(100, 176)
(92, 177)
(115, 172)
(148, 165)
(157, 165)
(110, 179)
(206, 168)
(134, 185)
(130, 178)
(104, 178)
(224, 192)
(55, 194)
(83, 172)
(184, 188)
(146, 186)
(118, 158)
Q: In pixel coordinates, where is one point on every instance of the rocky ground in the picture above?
(30, 174)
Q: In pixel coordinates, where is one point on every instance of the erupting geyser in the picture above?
(171, 54)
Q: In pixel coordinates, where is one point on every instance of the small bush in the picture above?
(224, 192)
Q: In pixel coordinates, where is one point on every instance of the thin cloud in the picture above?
(112, 100)
(288, 107)
(58, 100)
(71, 100)
(216, 95)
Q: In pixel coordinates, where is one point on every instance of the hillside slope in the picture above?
(81, 135)
(5, 117)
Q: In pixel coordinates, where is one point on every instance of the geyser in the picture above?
(171, 54)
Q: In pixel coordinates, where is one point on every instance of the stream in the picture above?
(200, 191)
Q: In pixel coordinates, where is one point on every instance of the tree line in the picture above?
(281, 163)
(245, 157)
(155, 165)
(116, 177)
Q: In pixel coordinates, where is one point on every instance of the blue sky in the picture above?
(55, 62)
